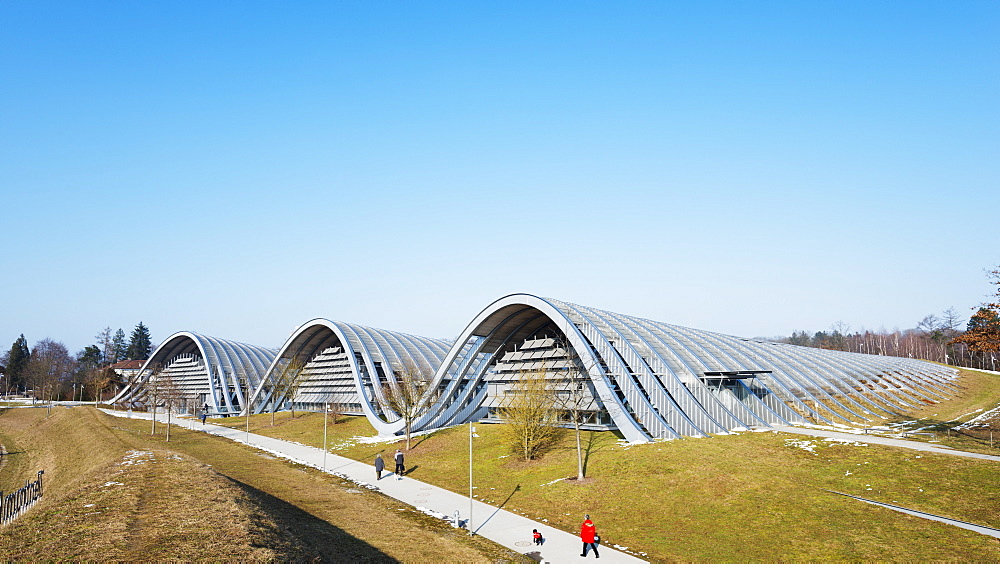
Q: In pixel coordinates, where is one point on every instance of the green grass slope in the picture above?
(757, 496)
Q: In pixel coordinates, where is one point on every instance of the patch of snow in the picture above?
(552, 482)
(805, 445)
(136, 457)
(108, 484)
(436, 514)
(981, 418)
(844, 442)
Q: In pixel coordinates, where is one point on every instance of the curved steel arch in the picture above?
(227, 365)
(517, 312)
(371, 354)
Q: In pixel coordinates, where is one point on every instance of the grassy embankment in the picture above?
(736, 497)
(113, 492)
(979, 392)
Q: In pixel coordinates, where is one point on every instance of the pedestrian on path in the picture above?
(537, 536)
(588, 534)
(399, 464)
(379, 466)
(203, 415)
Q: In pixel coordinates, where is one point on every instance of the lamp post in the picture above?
(472, 433)
(326, 414)
(246, 402)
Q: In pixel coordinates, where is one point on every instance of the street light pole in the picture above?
(472, 430)
(326, 412)
(246, 403)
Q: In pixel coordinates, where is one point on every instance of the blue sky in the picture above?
(237, 168)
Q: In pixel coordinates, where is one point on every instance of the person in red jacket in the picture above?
(588, 534)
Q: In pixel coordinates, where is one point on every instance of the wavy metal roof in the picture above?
(224, 371)
(658, 380)
(651, 379)
(372, 354)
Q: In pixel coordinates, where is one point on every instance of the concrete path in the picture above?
(915, 445)
(502, 527)
(981, 529)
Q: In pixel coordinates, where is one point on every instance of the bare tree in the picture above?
(951, 322)
(409, 397)
(575, 400)
(170, 393)
(285, 384)
(49, 368)
(929, 324)
(105, 342)
(335, 411)
(97, 379)
(529, 413)
(153, 393)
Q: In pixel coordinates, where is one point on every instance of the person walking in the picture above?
(588, 534)
(399, 464)
(379, 466)
(203, 415)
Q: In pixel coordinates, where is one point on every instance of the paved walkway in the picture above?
(981, 529)
(915, 445)
(502, 527)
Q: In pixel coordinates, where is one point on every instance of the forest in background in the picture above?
(939, 338)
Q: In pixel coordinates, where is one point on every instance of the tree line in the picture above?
(48, 371)
(938, 338)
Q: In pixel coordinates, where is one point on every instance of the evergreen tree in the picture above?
(118, 347)
(90, 356)
(141, 344)
(17, 362)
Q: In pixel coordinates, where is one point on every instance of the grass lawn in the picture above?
(114, 492)
(751, 496)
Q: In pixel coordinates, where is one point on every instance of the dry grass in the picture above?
(106, 499)
(172, 505)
